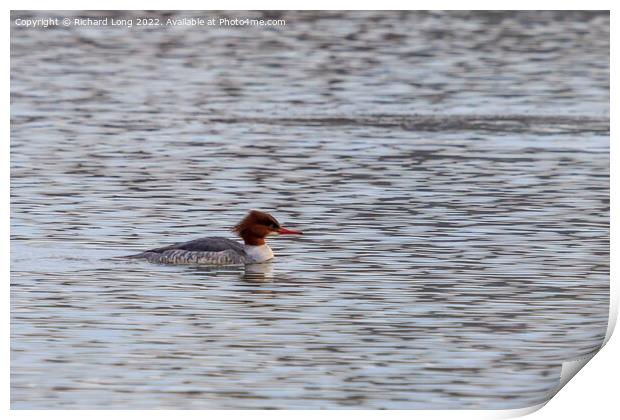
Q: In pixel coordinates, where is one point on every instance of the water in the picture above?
(450, 172)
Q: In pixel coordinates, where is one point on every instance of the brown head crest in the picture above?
(255, 226)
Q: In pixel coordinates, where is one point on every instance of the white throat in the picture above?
(259, 253)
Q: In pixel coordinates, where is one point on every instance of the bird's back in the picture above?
(213, 251)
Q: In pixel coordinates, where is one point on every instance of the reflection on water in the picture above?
(259, 272)
(449, 171)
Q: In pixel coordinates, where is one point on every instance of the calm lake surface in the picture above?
(450, 172)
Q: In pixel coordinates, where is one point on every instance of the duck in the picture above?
(253, 229)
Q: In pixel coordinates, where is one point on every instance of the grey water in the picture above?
(450, 172)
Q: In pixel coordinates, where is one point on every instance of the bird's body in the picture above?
(222, 251)
(212, 251)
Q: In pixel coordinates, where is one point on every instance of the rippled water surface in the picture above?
(450, 172)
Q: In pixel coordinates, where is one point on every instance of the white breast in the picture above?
(259, 253)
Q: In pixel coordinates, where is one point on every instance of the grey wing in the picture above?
(205, 245)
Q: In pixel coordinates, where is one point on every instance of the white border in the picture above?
(590, 394)
(311, 5)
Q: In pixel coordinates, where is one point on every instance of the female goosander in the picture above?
(253, 229)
